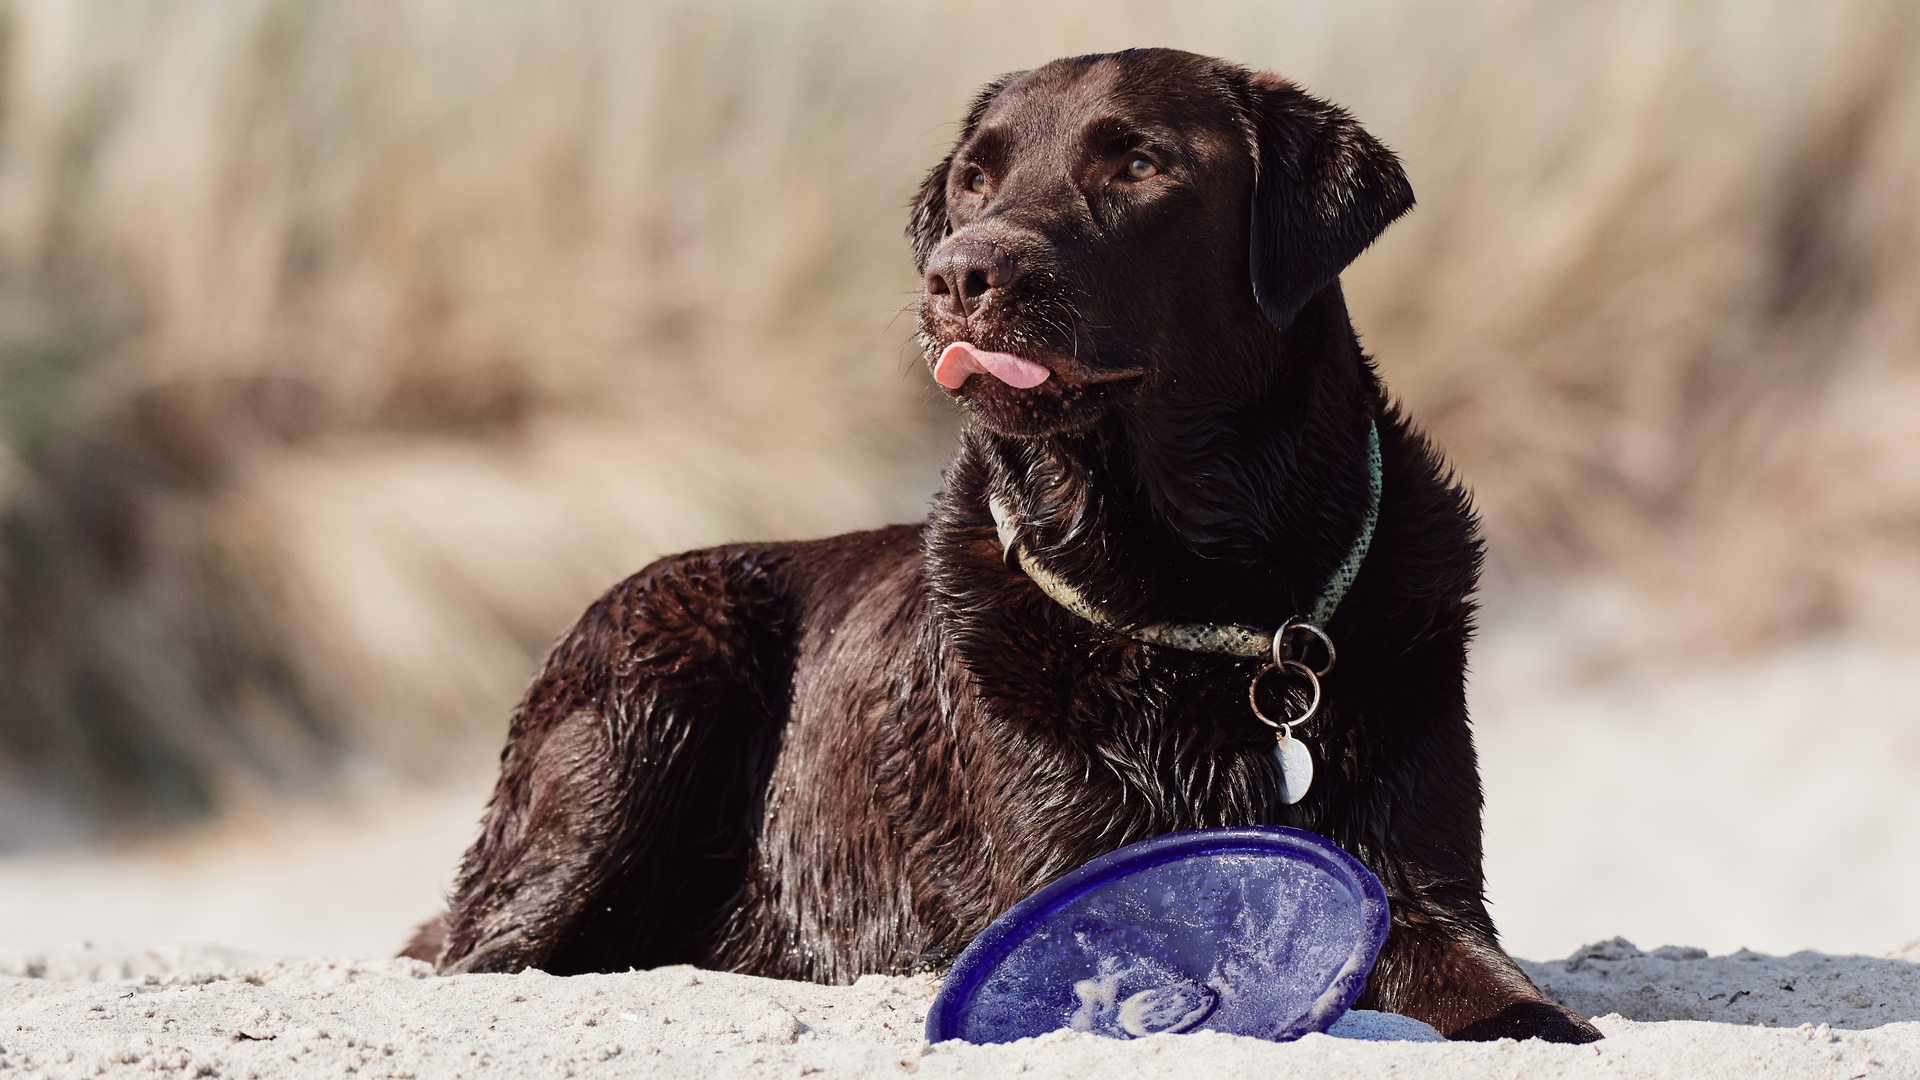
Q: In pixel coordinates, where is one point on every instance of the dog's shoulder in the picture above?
(1427, 519)
(1411, 608)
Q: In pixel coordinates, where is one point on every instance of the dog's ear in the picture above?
(928, 226)
(1323, 190)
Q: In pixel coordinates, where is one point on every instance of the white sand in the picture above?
(1671, 1014)
(1772, 804)
(288, 882)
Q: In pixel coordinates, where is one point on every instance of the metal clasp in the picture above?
(1290, 645)
(1291, 641)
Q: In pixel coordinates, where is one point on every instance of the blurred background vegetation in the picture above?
(348, 348)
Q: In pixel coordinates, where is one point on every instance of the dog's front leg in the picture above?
(1454, 976)
(1415, 820)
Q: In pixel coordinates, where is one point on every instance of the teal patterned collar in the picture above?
(1226, 638)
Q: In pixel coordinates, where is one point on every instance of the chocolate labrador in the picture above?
(817, 759)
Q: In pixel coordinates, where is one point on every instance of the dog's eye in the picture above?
(1142, 169)
(977, 181)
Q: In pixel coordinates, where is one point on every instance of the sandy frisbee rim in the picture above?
(1061, 959)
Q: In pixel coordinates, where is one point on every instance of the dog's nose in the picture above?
(966, 271)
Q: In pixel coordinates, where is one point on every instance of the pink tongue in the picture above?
(961, 360)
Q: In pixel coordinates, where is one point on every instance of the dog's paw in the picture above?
(1531, 1020)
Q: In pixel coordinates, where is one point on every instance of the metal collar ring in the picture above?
(1295, 666)
(1298, 623)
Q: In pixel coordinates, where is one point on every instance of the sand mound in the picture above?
(1670, 1013)
(1677, 983)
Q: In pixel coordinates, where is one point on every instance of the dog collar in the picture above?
(1226, 638)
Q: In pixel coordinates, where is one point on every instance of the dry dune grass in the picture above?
(348, 349)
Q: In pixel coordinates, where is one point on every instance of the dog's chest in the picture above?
(971, 762)
(1139, 708)
(1071, 746)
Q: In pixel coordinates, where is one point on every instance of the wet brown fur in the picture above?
(819, 759)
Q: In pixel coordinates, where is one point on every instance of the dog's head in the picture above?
(1103, 219)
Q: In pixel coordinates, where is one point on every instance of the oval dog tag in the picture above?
(1296, 768)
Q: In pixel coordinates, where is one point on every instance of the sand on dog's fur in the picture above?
(1670, 1013)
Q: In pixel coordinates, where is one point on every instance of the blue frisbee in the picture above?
(1259, 931)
